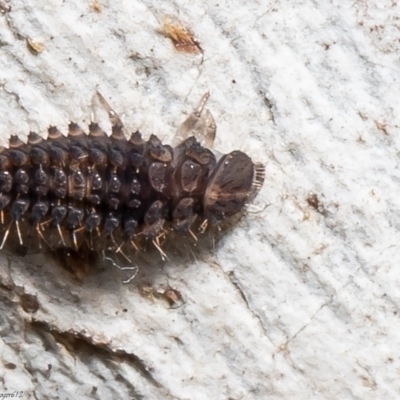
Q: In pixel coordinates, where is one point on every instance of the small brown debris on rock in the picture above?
(95, 6)
(182, 38)
(173, 297)
(313, 201)
(381, 126)
(146, 290)
(34, 46)
(29, 303)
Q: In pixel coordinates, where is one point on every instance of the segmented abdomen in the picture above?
(96, 190)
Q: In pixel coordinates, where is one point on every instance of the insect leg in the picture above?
(199, 124)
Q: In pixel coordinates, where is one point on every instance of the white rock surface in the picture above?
(297, 302)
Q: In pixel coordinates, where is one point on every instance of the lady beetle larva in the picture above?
(90, 192)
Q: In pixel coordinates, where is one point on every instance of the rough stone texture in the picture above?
(301, 300)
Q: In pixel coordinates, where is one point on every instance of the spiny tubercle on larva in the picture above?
(97, 192)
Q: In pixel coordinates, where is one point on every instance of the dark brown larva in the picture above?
(94, 192)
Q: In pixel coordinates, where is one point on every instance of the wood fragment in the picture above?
(182, 38)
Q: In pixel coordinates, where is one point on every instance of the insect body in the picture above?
(92, 192)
